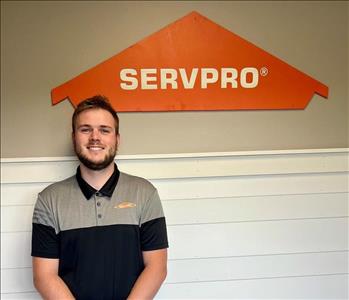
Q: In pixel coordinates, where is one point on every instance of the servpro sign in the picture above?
(169, 78)
(193, 64)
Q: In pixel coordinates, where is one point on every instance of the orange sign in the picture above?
(193, 64)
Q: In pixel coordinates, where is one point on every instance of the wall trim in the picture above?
(186, 165)
(184, 155)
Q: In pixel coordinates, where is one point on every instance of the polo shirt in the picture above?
(99, 236)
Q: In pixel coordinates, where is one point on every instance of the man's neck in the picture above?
(96, 179)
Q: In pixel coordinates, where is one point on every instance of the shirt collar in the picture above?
(106, 190)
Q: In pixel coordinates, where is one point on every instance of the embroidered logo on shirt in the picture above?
(125, 205)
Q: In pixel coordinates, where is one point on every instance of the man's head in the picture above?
(95, 134)
(95, 102)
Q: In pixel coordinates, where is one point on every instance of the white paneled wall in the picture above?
(242, 225)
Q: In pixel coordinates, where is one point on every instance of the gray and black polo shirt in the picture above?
(99, 236)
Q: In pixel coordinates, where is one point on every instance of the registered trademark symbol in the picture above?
(263, 71)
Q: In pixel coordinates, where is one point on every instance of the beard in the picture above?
(96, 165)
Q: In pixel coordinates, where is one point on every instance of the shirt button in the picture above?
(98, 194)
(98, 203)
(99, 216)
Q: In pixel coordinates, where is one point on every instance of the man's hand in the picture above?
(46, 280)
(153, 275)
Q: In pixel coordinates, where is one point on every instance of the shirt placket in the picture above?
(98, 199)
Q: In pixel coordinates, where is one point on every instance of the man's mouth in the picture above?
(95, 148)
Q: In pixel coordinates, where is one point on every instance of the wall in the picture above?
(47, 43)
(265, 224)
(257, 225)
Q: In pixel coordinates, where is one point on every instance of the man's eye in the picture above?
(85, 130)
(105, 130)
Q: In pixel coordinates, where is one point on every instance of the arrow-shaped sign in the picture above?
(193, 64)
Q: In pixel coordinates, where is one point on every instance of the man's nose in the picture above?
(94, 134)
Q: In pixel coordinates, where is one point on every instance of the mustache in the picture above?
(91, 145)
(95, 143)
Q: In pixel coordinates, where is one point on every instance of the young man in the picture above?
(100, 234)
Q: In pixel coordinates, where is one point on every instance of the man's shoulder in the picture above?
(136, 181)
(59, 187)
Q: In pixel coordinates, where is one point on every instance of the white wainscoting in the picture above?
(241, 225)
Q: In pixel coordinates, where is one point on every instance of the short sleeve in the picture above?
(153, 225)
(45, 240)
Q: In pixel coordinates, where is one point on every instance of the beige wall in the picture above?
(44, 44)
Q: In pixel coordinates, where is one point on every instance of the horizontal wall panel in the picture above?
(217, 240)
(256, 208)
(16, 218)
(21, 296)
(236, 165)
(181, 166)
(31, 171)
(211, 187)
(316, 287)
(15, 250)
(239, 209)
(235, 239)
(20, 193)
(17, 280)
(218, 269)
(217, 187)
(251, 267)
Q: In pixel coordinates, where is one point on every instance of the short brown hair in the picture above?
(95, 102)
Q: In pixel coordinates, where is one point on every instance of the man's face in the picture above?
(95, 140)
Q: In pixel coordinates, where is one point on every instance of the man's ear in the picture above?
(118, 140)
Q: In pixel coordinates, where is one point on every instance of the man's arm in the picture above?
(153, 275)
(46, 280)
